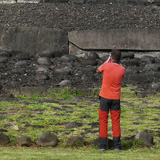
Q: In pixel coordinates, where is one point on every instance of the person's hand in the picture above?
(109, 58)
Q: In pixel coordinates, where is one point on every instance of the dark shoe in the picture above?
(101, 149)
(118, 149)
(102, 144)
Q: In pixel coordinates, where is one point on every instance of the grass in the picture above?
(32, 118)
(81, 153)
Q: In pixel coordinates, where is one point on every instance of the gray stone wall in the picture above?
(125, 39)
(34, 40)
(144, 2)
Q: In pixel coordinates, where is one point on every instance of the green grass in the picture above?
(81, 153)
(32, 118)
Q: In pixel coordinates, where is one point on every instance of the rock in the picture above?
(152, 67)
(24, 56)
(147, 59)
(15, 84)
(155, 86)
(145, 138)
(41, 77)
(4, 140)
(24, 141)
(131, 71)
(91, 55)
(72, 125)
(47, 139)
(64, 83)
(44, 61)
(19, 70)
(87, 70)
(63, 71)
(46, 53)
(91, 62)
(21, 63)
(130, 62)
(75, 141)
(3, 59)
(68, 58)
(140, 79)
(89, 78)
(127, 55)
(42, 69)
(5, 54)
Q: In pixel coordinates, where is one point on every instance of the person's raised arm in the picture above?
(100, 68)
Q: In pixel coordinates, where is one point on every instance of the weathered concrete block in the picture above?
(126, 39)
(34, 40)
(7, 1)
(42, 1)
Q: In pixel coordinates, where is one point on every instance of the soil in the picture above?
(80, 16)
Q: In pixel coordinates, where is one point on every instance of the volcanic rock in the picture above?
(145, 138)
(47, 139)
(68, 58)
(91, 62)
(4, 140)
(147, 59)
(24, 141)
(44, 61)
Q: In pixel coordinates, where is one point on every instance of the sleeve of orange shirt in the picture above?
(101, 67)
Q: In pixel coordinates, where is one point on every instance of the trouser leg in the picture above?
(115, 116)
(103, 127)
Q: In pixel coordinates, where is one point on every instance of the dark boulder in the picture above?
(42, 69)
(68, 58)
(46, 53)
(3, 59)
(91, 62)
(24, 141)
(152, 67)
(87, 70)
(4, 140)
(22, 63)
(24, 56)
(44, 61)
(47, 139)
(130, 62)
(91, 55)
(145, 138)
(127, 55)
(41, 76)
(5, 54)
(63, 71)
(148, 59)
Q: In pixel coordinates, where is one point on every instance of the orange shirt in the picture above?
(112, 77)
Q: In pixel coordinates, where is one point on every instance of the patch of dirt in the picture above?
(80, 16)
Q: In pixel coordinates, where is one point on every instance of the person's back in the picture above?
(112, 78)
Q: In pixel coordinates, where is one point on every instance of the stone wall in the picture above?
(142, 2)
(34, 40)
(125, 39)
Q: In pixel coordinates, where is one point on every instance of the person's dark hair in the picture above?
(116, 55)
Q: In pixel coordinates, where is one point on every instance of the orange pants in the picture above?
(113, 106)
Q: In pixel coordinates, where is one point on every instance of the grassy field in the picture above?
(31, 116)
(83, 153)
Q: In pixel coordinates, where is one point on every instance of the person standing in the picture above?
(113, 74)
